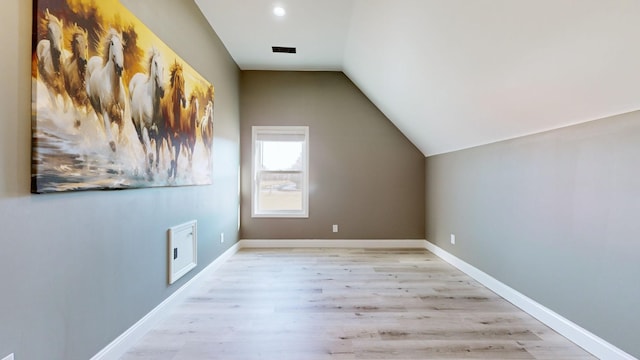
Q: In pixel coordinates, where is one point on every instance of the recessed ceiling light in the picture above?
(279, 11)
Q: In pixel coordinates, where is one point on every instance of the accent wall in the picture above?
(364, 175)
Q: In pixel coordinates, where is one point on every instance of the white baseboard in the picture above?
(334, 243)
(580, 336)
(126, 340)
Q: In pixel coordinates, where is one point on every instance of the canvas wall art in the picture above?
(113, 107)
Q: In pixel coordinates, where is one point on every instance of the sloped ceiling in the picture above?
(453, 74)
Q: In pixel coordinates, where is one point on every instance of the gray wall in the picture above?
(554, 215)
(365, 175)
(78, 269)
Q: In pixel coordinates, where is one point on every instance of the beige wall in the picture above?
(365, 175)
(553, 215)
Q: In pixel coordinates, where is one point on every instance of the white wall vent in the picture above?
(183, 249)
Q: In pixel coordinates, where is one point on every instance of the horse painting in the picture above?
(49, 55)
(172, 106)
(146, 91)
(75, 69)
(104, 84)
(106, 91)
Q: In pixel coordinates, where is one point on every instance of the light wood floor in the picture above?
(347, 304)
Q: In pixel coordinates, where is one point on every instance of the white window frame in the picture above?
(279, 130)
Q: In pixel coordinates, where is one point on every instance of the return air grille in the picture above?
(283, 49)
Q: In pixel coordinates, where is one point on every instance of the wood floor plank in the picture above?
(347, 304)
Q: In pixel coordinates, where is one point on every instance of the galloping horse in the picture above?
(171, 112)
(75, 68)
(104, 84)
(146, 91)
(188, 121)
(206, 129)
(48, 53)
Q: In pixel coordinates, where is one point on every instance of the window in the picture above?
(280, 171)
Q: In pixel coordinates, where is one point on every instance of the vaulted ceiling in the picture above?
(453, 74)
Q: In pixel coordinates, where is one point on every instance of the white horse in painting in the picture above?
(206, 129)
(49, 55)
(105, 89)
(146, 91)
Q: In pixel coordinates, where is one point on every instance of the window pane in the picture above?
(281, 155)
(280, 192)
(279, 166)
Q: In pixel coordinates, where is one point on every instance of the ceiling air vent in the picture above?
(283, 49)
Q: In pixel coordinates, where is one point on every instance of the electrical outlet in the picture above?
(9, 357)
(221, 238)
(335, 228)
(453, 239)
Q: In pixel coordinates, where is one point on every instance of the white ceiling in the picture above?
(453, 74)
